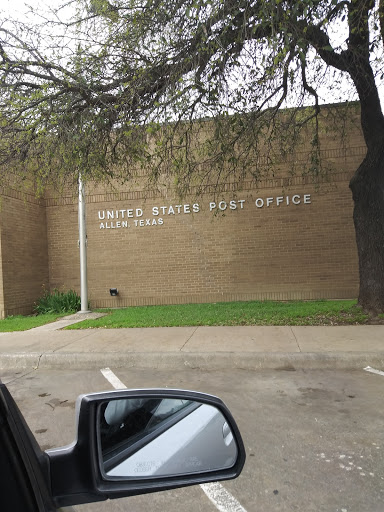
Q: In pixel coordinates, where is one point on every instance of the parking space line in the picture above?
(219, 496)
(112, 379)
(372, 370)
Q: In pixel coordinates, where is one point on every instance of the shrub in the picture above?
(58, 302)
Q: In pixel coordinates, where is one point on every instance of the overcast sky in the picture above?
(16, 8)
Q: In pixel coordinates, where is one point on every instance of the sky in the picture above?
(16, 7)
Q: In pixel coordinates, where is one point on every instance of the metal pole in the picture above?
(83, 249)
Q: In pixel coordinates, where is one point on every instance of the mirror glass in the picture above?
(144, 437)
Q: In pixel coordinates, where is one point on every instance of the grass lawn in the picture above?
(23, 323)
(340, 312)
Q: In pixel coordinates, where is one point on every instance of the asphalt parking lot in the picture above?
(314, 439)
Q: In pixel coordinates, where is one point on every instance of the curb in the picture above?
(202, 361)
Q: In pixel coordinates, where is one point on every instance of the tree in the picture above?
(126, 81)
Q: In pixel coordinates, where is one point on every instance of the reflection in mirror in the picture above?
(142, 437)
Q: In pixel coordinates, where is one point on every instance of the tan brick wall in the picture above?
(24, 253)
(302, 251)
(1, 272)
(63, 252)
(295, 251)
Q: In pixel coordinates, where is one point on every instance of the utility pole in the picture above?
(83, 249)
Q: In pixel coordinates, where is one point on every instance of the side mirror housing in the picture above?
(132, 442)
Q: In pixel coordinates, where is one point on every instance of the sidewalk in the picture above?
(210, 348)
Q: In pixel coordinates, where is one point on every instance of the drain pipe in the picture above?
(83, 249)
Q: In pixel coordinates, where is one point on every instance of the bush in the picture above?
(58, 302)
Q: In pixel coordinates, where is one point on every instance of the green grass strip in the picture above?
(340, 312)
(24, 323)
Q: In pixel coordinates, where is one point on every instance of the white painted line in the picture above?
(219, 496)
(112, 379)
(372, 370)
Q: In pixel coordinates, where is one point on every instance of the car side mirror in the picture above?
(133, 442)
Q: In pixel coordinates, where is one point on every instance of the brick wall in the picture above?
(1, 273)
(295, 251)
(281, 251)
(24, 256)
(63, 252)
(302, 247)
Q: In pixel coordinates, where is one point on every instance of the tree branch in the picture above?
(320, 41)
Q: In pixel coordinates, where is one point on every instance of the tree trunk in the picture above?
(367, 187)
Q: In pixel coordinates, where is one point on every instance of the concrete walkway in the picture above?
(250, 347)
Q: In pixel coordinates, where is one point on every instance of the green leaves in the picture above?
(58, 302)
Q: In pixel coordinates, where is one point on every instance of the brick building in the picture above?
(285, 237)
